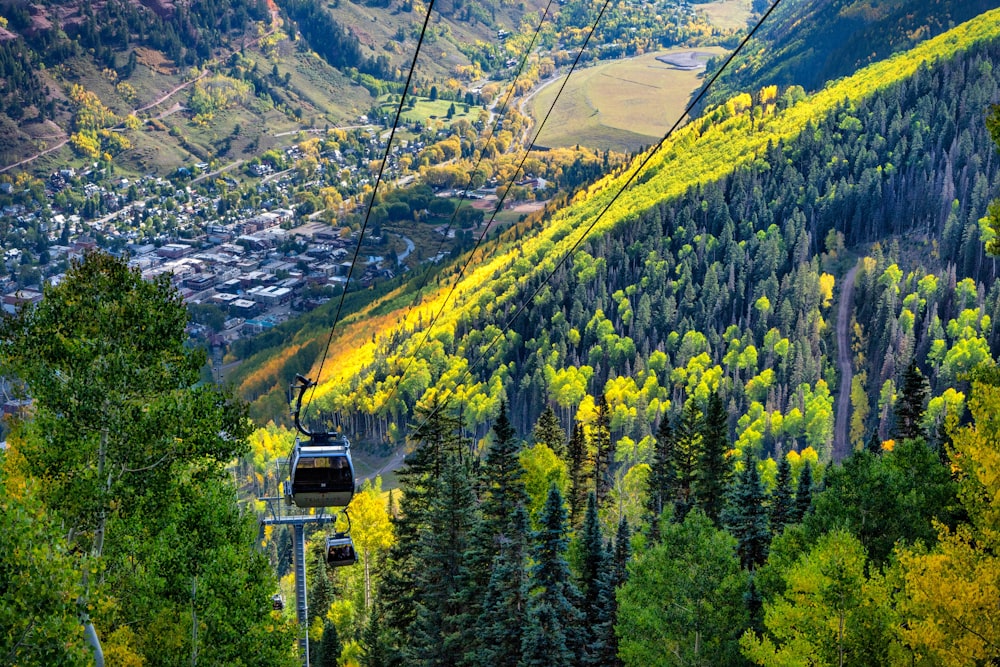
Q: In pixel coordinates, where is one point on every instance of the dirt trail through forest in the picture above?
(841, 445)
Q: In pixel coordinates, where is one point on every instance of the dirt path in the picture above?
(841, 445)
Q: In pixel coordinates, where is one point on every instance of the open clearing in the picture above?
(727, 14)
(622, 105)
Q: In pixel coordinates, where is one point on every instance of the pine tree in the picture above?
(782, 502)
(373, 649)
(597, 589)
(662, 481)
(553, 634)
(803, 493)
(714, 471)
(909, 409)
(604, 457)
(746, 516)
(622, 553)
(687, 450)
(501, 625)
(550, 433)
(577, 474)
(436, 436)
(329, 648)
(503, 499)
(442, 628)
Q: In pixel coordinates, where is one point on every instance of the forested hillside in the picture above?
(810, 43)
(658, 486)
(732, 281)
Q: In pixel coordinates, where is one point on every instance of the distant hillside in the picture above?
(810, 42)
(718, 268)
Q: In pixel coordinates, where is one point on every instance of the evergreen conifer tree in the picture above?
(714, 471)
(552, 636)
(503, 497)
(909, 409)
(662, 480)
(604, 457)
(328, 648)
(782, 501)
(500, 631)
(373, 649)
(549, 432)
(746, 516)
(687, 451)
(803, 493)
(442, 629)
(436, 436)
(577, 474)
(597, 589)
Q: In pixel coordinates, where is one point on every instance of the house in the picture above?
(15, 300)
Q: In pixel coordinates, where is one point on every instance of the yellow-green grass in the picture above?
(620, 105)
(727, 14)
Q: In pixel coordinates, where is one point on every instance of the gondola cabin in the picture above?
(340, 550)
(322, 473)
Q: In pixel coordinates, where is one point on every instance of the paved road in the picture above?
(841, 445)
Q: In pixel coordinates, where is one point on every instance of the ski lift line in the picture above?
(649, 156)
(371, 201)
(499, 206)
(493, 129)
(496, 125)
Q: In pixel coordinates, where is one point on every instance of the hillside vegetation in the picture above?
(870, 139)
(811, 43)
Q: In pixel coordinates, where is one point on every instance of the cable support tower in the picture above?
(371, 201)
(635, 172)
(499, 206)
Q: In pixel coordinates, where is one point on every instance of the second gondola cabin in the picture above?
(322, 473)
(340, 550)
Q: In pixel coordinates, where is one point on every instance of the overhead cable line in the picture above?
(500, 202)
(371, 202)
(475, 169)
(628, 182)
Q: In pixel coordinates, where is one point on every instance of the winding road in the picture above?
(841, 445)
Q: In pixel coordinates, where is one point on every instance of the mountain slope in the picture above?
(725, 226)
(810, 43)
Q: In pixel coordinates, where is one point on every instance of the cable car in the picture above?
(340, 547)
(278, 602)
(321, 469)
(340, 550)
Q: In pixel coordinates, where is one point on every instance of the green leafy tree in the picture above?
(886, 500)
(830, 613)
(132, 453)
(682, 603)
(39, 616)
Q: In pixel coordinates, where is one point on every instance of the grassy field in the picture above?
(430, 113)
(620, 105)
(727, 14)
